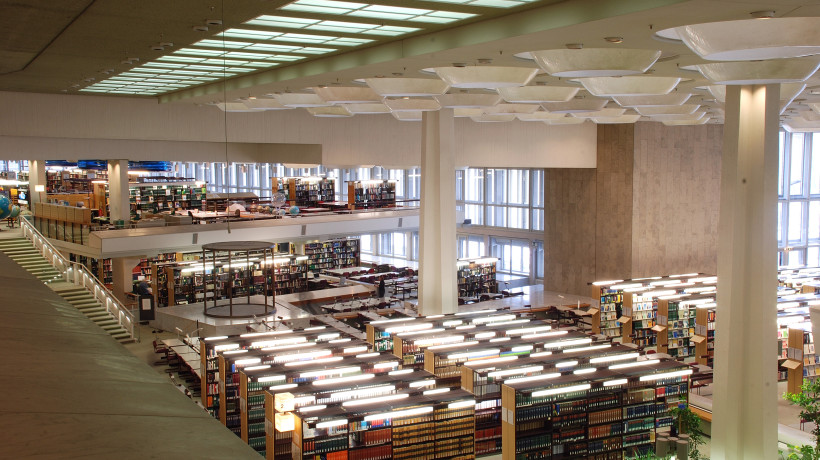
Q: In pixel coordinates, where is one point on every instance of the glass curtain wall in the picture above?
(798, 207)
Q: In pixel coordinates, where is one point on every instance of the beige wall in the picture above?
(676, 199)
(40, 125)
(650, 208)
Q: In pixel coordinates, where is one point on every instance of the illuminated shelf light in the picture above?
(562, 390)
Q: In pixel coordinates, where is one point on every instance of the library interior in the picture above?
(427, 229)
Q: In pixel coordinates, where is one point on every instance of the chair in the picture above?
(161, 350)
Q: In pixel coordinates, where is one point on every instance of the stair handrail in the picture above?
(77, 274)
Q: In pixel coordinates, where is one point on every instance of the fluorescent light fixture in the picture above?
(275, 343)
(544, 334)
(521, 348)
(399, 413)
(453, 345)
(621, 357)
(697, 301)
(436, 391)
(219, 337)
(493, 319)
(314, 361)
(315, 328)
(587, 370)
(438, 340)
(500, 339)
(461, 404)
(567, 343)
(626, 286)
(378, 399)
(401, 372)
(312, 408)
(328, 336)
(352, 378)
(336, 371)
(369, 391)
(271, 378)
(332, 423)
(301, 356)
(421, 383)
(452, 323)
(607, 283)
(509, 323)
(368, 355)
(591, 348)
(647, 362)
(258, 368)
(227, 346)
(685, 275)
(520, 370)
(534, 378)
(472, 354)
(540, 354)
(475, 312)
(566, 363)
(346, 339)
(466, 326)
(234, 352)
(263, 334)
(385, 365)
(428, 331)
(396, 320)
(354, 350)
(529, 330)
(615, 382)
(562, 390)
(666, 375)
(290, 347)
(408, 328)
(434, 316)
(286, 386)
(704, 279)
(707, 305)
(501, 359)
(484, 335)
(245, 362)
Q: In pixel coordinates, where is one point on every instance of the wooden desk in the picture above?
(172, 342)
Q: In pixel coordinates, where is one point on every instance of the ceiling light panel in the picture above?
(488, 3)
(330, 26)
(381, 12)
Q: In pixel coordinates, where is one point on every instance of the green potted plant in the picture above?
(809, 401)
(689, 423)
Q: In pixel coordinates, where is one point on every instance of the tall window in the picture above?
(798, 207)
(502, 197)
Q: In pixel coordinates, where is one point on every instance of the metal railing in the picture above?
(78, 275)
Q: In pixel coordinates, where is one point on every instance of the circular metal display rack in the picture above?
(216, 285)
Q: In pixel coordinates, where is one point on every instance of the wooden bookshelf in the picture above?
(158, 197)
(577, 416)
(371, 194)
(477, 276)
(332, 254)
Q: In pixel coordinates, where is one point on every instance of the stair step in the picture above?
(110, 327)
(107, 322)
(96, 314)
(89, 307)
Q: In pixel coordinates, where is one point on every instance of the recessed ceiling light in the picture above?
(213, 22)
(200, 28)
(614, 39)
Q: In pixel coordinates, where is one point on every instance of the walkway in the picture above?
(70, 390)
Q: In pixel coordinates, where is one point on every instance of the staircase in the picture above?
(21, 251)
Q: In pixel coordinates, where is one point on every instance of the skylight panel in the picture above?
(391, 31)
(339, 26)
(487, 3)
(244, 55)
(165, 65)
(313, 50)
(226, 44)
(198, 52)
(348, 41)
(249, 33)
(173, 58)
(282, 21)
(203, 67)
(270, 47)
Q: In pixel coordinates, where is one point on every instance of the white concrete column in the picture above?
(437, 228)
(118, 206)
(745, 399)
(36, 177)
(122, 270)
